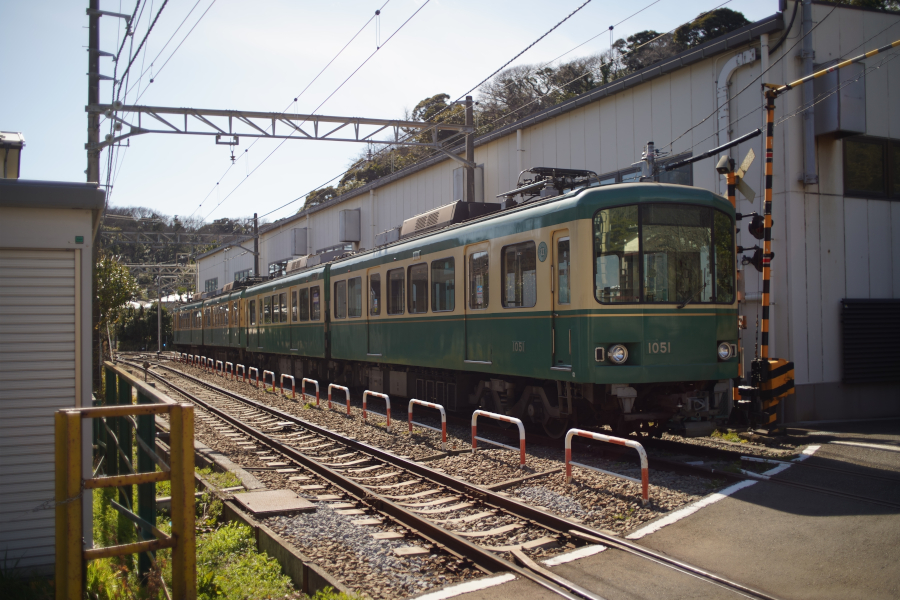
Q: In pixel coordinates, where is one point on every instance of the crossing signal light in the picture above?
(757, 227)
(756, 259)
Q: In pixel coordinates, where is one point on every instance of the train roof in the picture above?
(578, 204)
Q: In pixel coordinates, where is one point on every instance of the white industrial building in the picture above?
(836, 229)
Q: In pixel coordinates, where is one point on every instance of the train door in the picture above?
(561, 298)
(374, 326)
(477, 302)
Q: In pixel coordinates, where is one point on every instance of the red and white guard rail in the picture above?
(243, 372)
(645, 478)
(346, 393)
(221, 373)
(443, 428)
(386, 398)
(250, 374)
(303, 388)
(491, 415)
(273, 379)
(293, 387)
(231, 372)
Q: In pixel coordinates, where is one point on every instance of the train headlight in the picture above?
(617, 354)
(725, 351)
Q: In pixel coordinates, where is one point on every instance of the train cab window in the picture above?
(282, 300)
(354, 297)
(375, 294)
(315, 310)
(677, 249)
(304, 305)
(723, 232)
(340, 300)
(395, 281)
(418, 289)
(443, 285)
(616, 252)
(267, 310)
(294, 306)
(519, 276)
(562, 271)
(478, 280)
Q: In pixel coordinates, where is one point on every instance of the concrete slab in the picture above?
(273, 502)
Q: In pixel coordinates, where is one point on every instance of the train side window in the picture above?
(562, 270)
(340, 300)
(282, 300)
(519, 276)
(418, 289)
(208, 318)
(304, 305)
(395, 291)
(478, 280)
(240, 312)
(267, 310)
(275, 310)
(315, 305)
(443, 284)
(294, 306)
(354, 297)
(375, 294)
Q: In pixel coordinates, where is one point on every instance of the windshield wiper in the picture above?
(694, 295)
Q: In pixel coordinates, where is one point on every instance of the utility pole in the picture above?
(470, 151)
(159, 315)
(256, 246)
(93, 153)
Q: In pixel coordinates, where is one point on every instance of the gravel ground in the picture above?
(778, 449)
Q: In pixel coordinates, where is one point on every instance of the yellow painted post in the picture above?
(73, 507)
(61, 463)
(184, 555)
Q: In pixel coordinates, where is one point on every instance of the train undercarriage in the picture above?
(548, 407)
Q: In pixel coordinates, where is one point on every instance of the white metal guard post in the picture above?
(243, 372)
(219, 372)
(293, 387)
(303, 388)
(231, 372)
(264, 380)
(250, 372)
(443, 429)
(339, 387)
(491, 415)
(386, 398)
(645, 478)
(210, 365)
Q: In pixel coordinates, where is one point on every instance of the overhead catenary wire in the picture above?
(341, 51)
(424, 4)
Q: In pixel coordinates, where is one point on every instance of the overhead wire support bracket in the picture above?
(106, 13)
(254, 129)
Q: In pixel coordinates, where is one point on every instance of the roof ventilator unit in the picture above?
(387, 237)
(443, 216)
(297, 264)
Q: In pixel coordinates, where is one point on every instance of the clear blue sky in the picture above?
(259, 56)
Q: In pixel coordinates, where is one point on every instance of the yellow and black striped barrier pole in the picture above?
(780, 89)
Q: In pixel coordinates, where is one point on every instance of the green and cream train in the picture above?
(610, 305)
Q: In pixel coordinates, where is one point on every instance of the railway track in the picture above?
(423, 500)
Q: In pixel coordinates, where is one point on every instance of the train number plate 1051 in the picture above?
(659, 347)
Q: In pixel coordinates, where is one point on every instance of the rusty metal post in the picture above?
(184, 555)
(122, 429)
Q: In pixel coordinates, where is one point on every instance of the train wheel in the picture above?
(555, 428)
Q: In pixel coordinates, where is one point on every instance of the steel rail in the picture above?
(526, 512)
(459, 547)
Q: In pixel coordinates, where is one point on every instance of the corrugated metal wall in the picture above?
(37, 377)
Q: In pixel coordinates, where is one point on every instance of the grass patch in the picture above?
(17, 585)
(727, 436)
(329, 593)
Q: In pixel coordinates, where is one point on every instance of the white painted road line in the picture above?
(807, 452)
(574, 555)
(872, 446)
(687, 510)
(468, 586)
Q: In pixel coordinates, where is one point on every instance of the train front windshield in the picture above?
(663, 253)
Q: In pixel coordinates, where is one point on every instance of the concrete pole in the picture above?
(93, 155)
(470, 151)
(256, 245)
(159, 312)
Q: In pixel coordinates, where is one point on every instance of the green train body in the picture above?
(516, 312)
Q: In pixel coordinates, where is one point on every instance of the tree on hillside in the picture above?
(876, 4)
(708, 26)
(646, 48)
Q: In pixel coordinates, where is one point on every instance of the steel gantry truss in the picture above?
(228, 126)
(173, 275)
